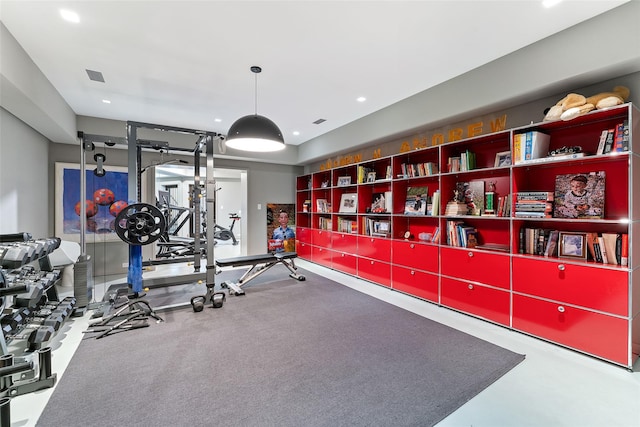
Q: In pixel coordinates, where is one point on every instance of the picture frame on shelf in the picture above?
(348, 203)
(579, 195)
(344, 180)
(572, 245)
(503, 158)
(371, 177)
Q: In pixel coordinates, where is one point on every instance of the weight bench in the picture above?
(259, 264)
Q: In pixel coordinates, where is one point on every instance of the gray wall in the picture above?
(24, 191)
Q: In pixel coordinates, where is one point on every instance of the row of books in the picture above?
(324, 223)
(504, 206)
(346, 225)
(608, 248)
(465, 162)
(376, 227)
(461, 235)
(529, 146)
(615, 140)
(534, 204)
(538, 241)
(412, 170)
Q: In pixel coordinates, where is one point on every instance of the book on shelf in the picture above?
(617, 138)
(603, 250)
(624, 249)
(416, 201)
(453, 164)
(435, 202)
(608, 145)
(625, 136)
(530, 145)
(580, 195)
(493, 247)
(602, 142)
(467, 161)
(348, 203)
(461, 235)
(609, 240)
(306, 206)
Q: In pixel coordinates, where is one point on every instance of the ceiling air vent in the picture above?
(96, 76)
(317, 122)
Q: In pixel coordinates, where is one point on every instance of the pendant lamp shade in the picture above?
(255, 132)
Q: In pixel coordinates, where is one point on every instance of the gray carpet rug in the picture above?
(289, 353)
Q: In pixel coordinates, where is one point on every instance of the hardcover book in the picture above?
(579, 195)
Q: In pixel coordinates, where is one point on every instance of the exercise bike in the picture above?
(223, 234)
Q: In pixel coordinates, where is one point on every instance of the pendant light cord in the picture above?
(256, 92)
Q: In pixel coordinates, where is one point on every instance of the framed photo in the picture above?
(344, 180)
(503, 159)
(416, 201)
(103, 196)
(579, 195)
(371, 177)
(573, 245)
(348, 203)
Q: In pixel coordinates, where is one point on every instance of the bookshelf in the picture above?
(507, 272)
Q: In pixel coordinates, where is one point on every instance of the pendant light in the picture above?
(255, 132)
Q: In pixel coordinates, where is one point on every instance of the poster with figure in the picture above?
(281, 234)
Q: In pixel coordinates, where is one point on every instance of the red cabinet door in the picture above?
(594, 287)
(420, 256)
(415, 282)
(344, 242)
(344, 262)
(321, 256)
(376, 271)
(377, 248)
(303, 235)
(595, 333)
(467, 264)
(321, 238)
(303, 250)
(489, 303)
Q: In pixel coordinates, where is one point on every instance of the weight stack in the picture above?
(83, 281)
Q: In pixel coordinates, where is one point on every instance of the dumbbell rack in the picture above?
(30, 313)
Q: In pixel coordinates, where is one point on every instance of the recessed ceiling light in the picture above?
(361, 99)
(69, 15)
(217, 120)
(106, 101)
(296, 133)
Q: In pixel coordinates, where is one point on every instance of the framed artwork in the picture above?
(348, 203)
(344, 180)
(579, 195)
(573, 245)
(371, 177)
(503, 159)
(416, 201)
(104, 198)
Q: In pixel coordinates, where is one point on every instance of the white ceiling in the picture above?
(186, 63)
